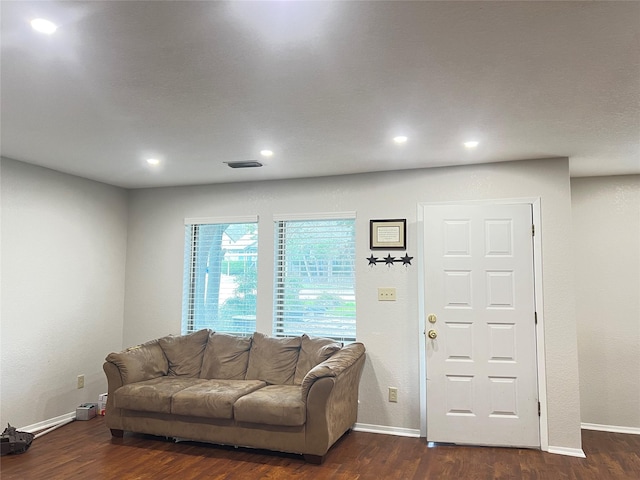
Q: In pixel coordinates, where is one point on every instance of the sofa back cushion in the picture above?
(273, 360)
(226, 357)
(313, 350)
(142, 362)
(184, 352)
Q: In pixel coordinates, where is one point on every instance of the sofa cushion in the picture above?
(142, 362)
(313, 350)
(272, 405)
(212, 398)
(184, 352)
(273, 360)
(225, 357)
(152, 395)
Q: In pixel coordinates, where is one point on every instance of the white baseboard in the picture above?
(611, 428)
(52, 422)
(571, 452)
(400, 432)
(410, 432)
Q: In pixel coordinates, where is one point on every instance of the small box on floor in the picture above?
(86, 411)
(102, 404)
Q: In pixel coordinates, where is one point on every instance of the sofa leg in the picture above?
(117, 433)
(314, 459)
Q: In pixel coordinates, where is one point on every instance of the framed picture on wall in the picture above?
(388, 234)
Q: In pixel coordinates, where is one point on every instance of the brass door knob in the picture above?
(432, 334)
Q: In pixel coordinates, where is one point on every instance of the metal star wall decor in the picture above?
(389, 260)
(406, 260)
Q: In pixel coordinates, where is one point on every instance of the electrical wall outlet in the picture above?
(387, 294)
(80, 381)
(393, 394)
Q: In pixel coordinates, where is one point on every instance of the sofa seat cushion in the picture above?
(152, 395)
(272, 405)
(212, 398)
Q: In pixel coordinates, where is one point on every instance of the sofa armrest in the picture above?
(135, 364)
(332, 398)
(333, 366)
(114, 382)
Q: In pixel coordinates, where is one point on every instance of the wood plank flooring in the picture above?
(85, 450)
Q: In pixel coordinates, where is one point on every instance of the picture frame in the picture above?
(388, 234)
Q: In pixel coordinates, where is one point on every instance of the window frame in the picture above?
(278, 322)
(190, 265)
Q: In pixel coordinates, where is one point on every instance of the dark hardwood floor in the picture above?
(85, 450)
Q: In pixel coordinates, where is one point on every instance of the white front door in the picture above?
(479, 288)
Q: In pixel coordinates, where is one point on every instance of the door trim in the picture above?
(535, 203)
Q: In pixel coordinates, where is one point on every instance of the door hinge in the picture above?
(533, 230)
(538, 408)
(535, 317)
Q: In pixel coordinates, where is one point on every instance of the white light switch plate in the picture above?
(387, 294)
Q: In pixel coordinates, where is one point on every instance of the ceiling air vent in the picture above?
(245, 164)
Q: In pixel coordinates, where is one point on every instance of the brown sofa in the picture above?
(293, 394)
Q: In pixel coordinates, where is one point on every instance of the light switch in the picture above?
(387, 294)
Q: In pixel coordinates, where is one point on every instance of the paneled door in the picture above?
(480, 333)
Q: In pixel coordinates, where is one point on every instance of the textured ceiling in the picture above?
(325, 85)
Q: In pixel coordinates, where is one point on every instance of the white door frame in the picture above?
(539, 306)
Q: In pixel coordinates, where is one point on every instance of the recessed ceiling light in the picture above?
(471, 144)
(400, 139)
(153, 161)
(266, 153)
(43, 26)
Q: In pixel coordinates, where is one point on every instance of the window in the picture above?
(315, 277)
(220, 275)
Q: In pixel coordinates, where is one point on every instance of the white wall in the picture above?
(389, 330)
(67, 237)
(606, 219)
(63, 253)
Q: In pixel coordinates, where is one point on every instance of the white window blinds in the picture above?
(315, 277)
(220, 276)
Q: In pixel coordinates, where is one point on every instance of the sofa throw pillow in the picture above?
(225, 357)
(184, 352)
(273, 360)
(313, 350)
(142, 362)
